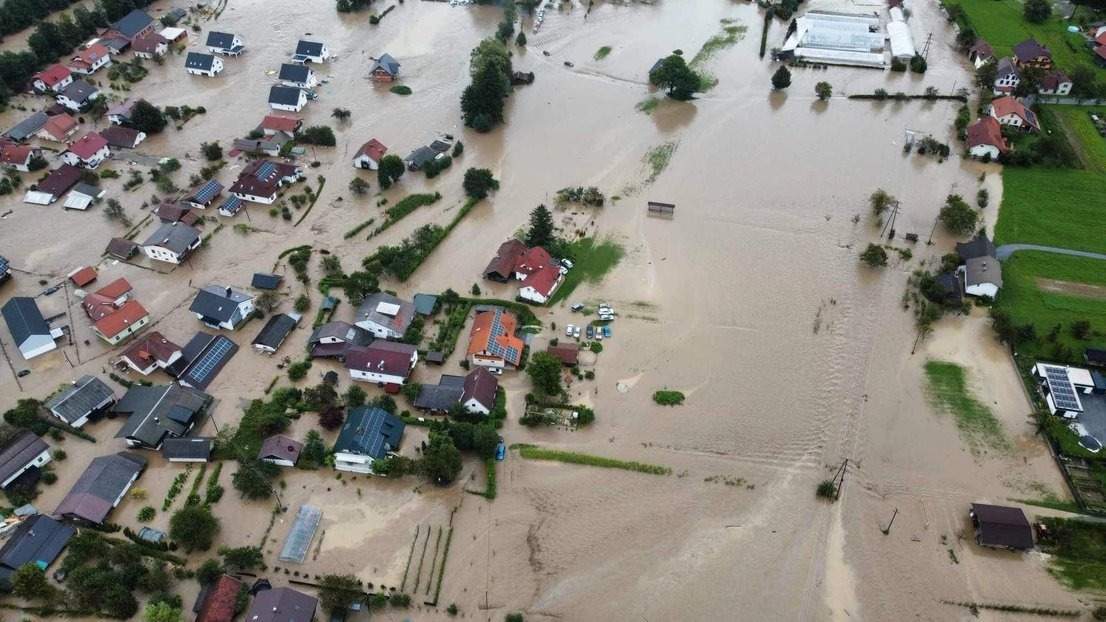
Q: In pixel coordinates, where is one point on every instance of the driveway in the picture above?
(1003, 252)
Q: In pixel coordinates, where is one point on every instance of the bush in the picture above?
(478, 182)
(401, 89)
(49, 478)
(782, 78)
(957, 216)
(303, 303)
(193, 527)
(826, 490)
(212, 151)
(668, 398)
(918, 64)
(875, 256)
(59, 455)
(358, 186)
(320, 135)
(824, 90)
(146, 514)
(298, 370)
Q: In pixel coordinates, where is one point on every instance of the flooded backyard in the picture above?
(750, 300)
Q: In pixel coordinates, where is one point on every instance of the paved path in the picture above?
(1003, 252)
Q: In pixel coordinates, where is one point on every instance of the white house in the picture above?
(384, 315)
(172, 243)
(311, 52)
(54, 78)
(368, 434)
(299, 76)
(287, 98)
(222, 307)
(369, 155)
(1007, 76)
(24, 452)
(88, 152)
(280, 450)
(1055, 82)
(78, 96)
(479, 391)
(985, 139)
(1062, 386)
(540, 285)
(90, 60)
(1011, 111)
(382, 362)
(225, 43)
(199, 64)
(76, 404)
(982, 276)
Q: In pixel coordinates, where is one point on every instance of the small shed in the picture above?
(656, 208)
(436, 357)
(567, 353)
(425, 304)
(83, 276)
(1001, 527)
(121, 248)
(264, 280)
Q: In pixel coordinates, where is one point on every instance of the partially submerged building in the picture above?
(87, 398)
(1001, 527)
(836, 39)
(368, 434)
(101, 487)
(155, 413)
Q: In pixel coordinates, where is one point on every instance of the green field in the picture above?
(949, 392)
(1027, 303)
(1091, 146)
(591, 261)
(1054, 207)
(1001, 23)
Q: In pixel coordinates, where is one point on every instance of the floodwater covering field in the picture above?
(791, 355)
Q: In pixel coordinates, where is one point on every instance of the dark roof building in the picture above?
(199, 61)
(101, 487)
(333, 339)
(385, 66)
(285, 95)
(279, 449)
(133, 24)
(87, 397)
(282, 604)
(370, 431)
(1001, 527)
(121, 248)
(1095, 356)
(24, 451)
(264, 280)
(38, 540)
(425, 304)
(60, 180)
(187, 449)
(27, 127)
(222, 41)
(481, 387)
(309, 48)
(950, 287)
(298, 74)
(979, 246)
(121, 137)
(567, 353)
(502, 267)
(205, 195)
(202, 358)
(157, 412)
(275, 331)
(440, 397)
(28, 328)
(217, 304)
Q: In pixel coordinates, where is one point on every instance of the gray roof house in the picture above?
(23, 452)
(275, 331)
(200, 63)
(171, 242)
(77, 95)
(224, 43)
(979, 246)
(222, 307)
(385, 67)
(368, 434)
(282, 604)
(31, 333)
(384, 315)
(87, 397)
(38, 540)
(280, 450)
(331, 340)
(156, 412)
(264, 280)
(187, 449)
(27, 127)
(101, 487)
(134, 24)
(201, 360)
(286, 97)
(441, 397)
(310, 51)
(982, 276)
(296, 75)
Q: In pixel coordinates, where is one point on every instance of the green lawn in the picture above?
(949, 392)
(591, 261)
(1078, 550)
(1092, 145)
(533, 452)
(1002, 24)
(1054, 207)
(1026, 302)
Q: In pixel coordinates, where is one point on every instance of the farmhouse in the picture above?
(385, 316)
(311, 52)
(225, 43)
(90, 60)
(171, 243)
(282, 604)
(134, 25)
(151, 352)
(175, 212)
(300, 76)
(980, 53)
(260, 181)
(88, 152)
(54, 78)
(101, 487)
(200, 64)
(150, 46)
(1007, 76)
(57, 183)
(382, 362)
(87, 398)
(368, 434)
(280, 123)
(58, 128)
(128, 319)
(280, 450)
(17, 157)
(384, 69)
(29, 330)
(78, 96)
(205, 195)
(369, 155)
(122, 137)
(275, 331)
(1055, 82)
(287, 98)
(157, 412)
(985, 139)
(502, 267)
(120, 113)
(1011, 111)
(541, 284)
(24, 452)
(480, 390)
(1029, 53)
(222, 307)
(1061, 386)
(1001, 527)
(231, 206)
(982, 276)
(333, 339)
(492, 342)
(442, 397)
(27, 127)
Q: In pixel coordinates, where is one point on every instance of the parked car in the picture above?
(568, 264)
(577, 307)
(498, 371)
(576, 332)
(500, 451)
(1086, 441)
(591, 332)
(568, 330)
(607, 331)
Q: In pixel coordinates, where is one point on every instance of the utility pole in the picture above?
(936, 220)
(887, 530)
(925, 48)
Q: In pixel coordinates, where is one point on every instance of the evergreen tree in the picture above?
(541, 227)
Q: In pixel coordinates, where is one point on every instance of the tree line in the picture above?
(51, 40)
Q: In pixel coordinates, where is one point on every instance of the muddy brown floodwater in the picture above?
(751, 301)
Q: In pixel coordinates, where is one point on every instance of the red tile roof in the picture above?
(374, 149)
(88, 145)
(151, 348)
(60, 180)
(83, 276)
(544, 280)
(60, 126)
(115, 289)
(986, 131)
(1101, 38)
(567, 353)
(148, 43)
(1011, 105)
(482, 339)
(503, 265)
(382, 357)
(532, 260)
(11, 153)
(280, 123)
(219, 604)
(92, 54)
(127, 315)
(1101, 51)
(53, 74)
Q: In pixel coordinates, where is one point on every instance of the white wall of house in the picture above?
(1007, 82)
(160, 253)
(216, 68)
(41, 86)
(36, 345)
(365, 162)
(76, 105)
(487, 360)
(375, 377)
(982, 289)
(96, 160)
(126, 332)
(378, 330)
(474, 406)
(1064, 88)
(1012, 120)
(37, 461)
(235, 43)
(245, 308)
(353, 463)
(279, 462)
(159, 50)
(253, 198)
(296, 108)
(981, 151)
(96, 65)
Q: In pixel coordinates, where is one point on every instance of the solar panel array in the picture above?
(207, 192)
(265, 171)
(1061, 389)
(508, 352)
(231, 205)
(210, 361)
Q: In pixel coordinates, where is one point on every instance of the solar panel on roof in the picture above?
(209, 361)
(1061, 389)
(207, 192)
(265, 170)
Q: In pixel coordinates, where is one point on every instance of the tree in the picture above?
(918, 64)
(675, 77)
(485, 439)
(209, 572)
(782, 78)
(251, 479)
(441, 460)
(824, 90)
(29, 582)
(540, 232)
(320, 397)
(966, 37)
(545, 372)
(339, 592)
(520, 40)
(360, 284)
(332, 418)
(341, 114)
(212, 151)
(161, 612)
(355, 396)
(193, 527)
(985, 75)
(113, 210)
(243, 557)
(1037, 11)
(875, 256)
(957, 216)
(320, 135)
(390, 170)
(314, 450)
(146, 117)
(359, 186)
(482, 101)
(478, 182)
(880, 200)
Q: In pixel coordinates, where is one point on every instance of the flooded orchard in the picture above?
(750, 300)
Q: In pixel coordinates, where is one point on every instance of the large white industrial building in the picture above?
(848, 39)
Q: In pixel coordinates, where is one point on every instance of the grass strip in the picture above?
(489, 491)
(1078, 552)
(434, 560)
(314, 198)
(533, 452)
(358, 229)
(422, 558)
(410, 554)
(657, 159)
(948, 391)
(405, 206)
(441, 570)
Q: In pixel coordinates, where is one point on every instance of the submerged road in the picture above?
(1003, 252)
